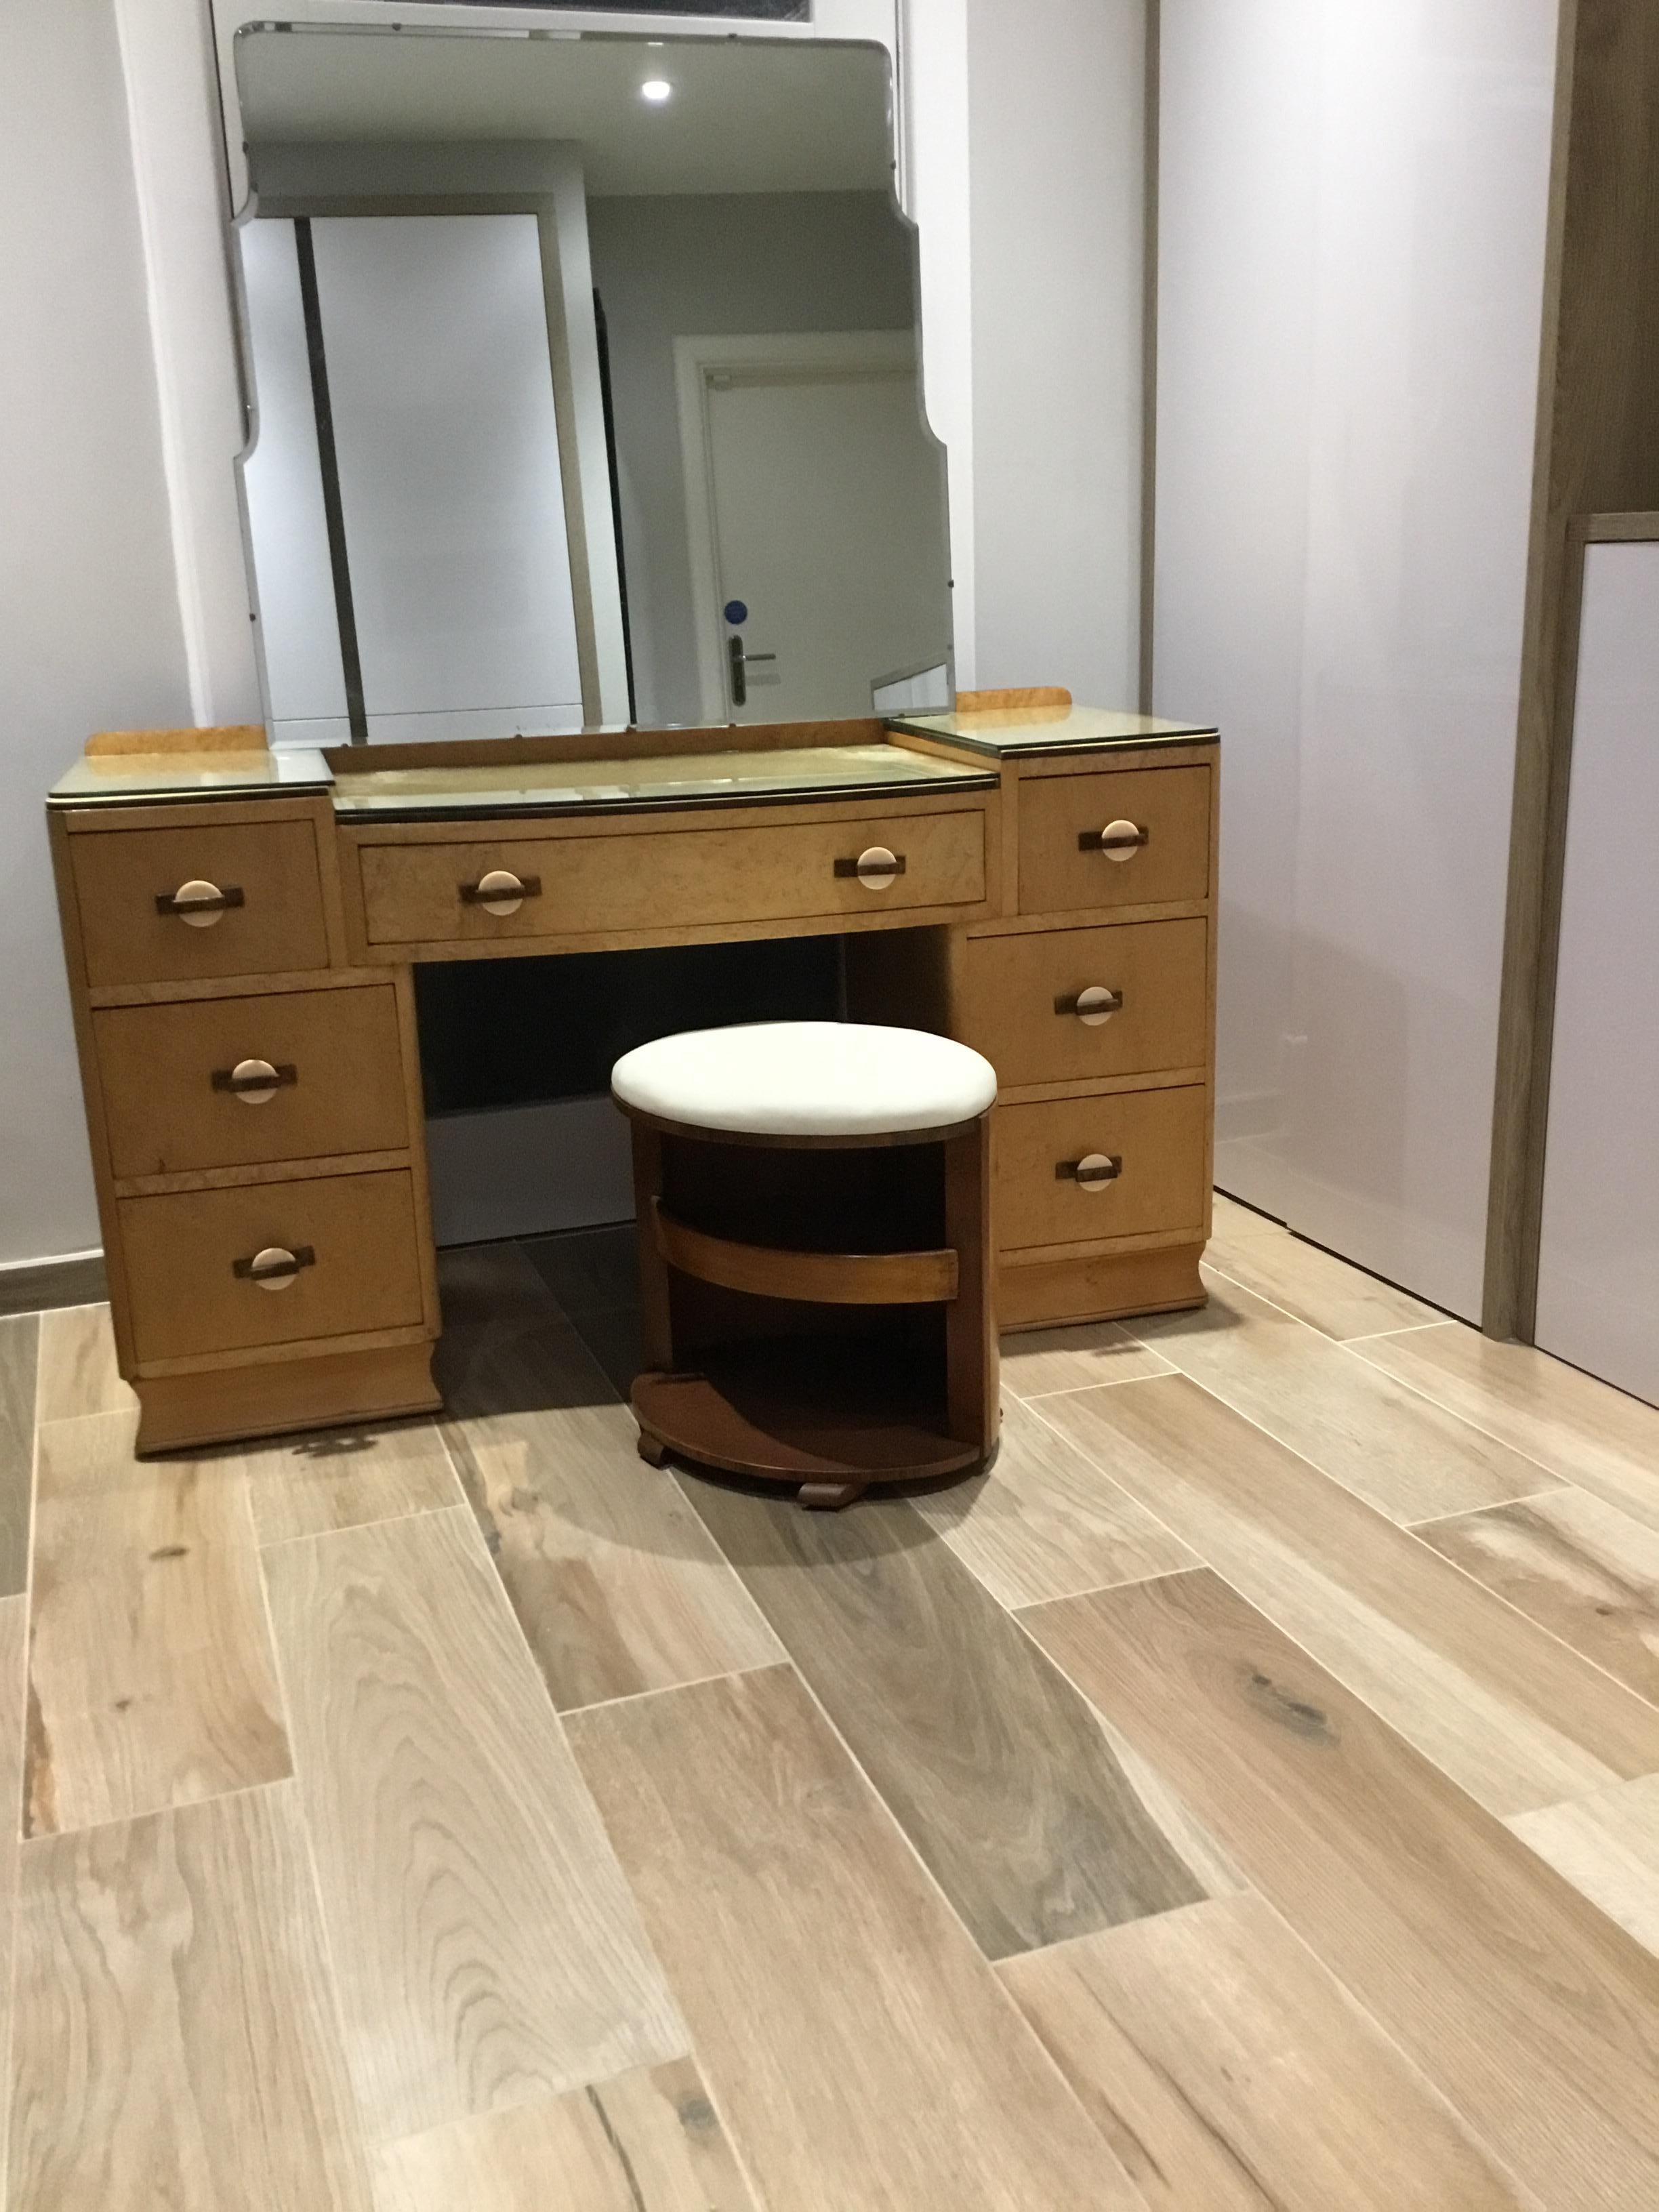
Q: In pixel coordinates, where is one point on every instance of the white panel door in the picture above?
(1377, 172)
(299, 622)
(1598, 1274)
(442, 389)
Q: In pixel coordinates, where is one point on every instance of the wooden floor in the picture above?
(1246, 1796)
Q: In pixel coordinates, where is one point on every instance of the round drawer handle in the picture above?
(199, 904)
(1092, 1172)
(877, 867)
(275, 1269)
(1091, 1007)
(1120, 840)
(498, 891)
(255, 1082)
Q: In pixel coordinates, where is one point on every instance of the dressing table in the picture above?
(241, 927)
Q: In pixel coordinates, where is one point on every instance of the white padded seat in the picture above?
(806, 1079)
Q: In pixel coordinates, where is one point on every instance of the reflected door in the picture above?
(825, 566)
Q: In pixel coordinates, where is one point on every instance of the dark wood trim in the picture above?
(1620, 528)
(39, 1285)
(842, 1278)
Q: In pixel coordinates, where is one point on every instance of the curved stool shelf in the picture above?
(835, 1278)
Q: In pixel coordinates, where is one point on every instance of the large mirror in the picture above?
(586, 385)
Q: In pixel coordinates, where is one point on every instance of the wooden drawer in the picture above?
(363, 1274)
(667, 879)
(1062, 864)
(1160, 1137)
(336, 1053)
(267, 870)
(1016, 996)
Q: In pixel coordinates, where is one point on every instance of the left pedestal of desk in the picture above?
(254, 1107)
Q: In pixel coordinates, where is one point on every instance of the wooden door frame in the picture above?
(794, 353)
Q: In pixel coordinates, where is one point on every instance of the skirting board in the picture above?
(32, 1285)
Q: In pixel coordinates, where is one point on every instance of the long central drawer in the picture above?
(650, 880)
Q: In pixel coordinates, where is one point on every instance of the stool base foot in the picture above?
(828, 1497)
(652, 1450)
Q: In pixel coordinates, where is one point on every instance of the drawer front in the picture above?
(669, 879)
(1063, 863)
(1063, 1004)
(265, 873)
(356, 1237)
(1157, 1137)
(181, 1087)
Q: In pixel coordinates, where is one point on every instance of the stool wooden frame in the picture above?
(794, 1365)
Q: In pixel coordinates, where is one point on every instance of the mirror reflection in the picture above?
(586, 384)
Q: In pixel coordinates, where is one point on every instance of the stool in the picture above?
(815, 1254)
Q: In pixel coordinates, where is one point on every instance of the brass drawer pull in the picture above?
(876, 867)
(255, 1081)
(1119, 840)
(499, 891)
(1092, 1172)
(1093, 1006)
(198, 904)
(274, 1268)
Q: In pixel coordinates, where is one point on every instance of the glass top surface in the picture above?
(128, 776)
(1053, 729)
(554, 786)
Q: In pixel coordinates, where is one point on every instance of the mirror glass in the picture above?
(586, 389)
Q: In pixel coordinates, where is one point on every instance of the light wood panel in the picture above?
(343, 1478)
(484, 1946)
(151, 1680)
(1535, 2015)
(230, 1404)
(1578, 1565)
(1160, 1136)
(1318, 1288)
(120, 873)
(1009, 996)
(78, 1374)
(1039, 1361)
(857, 2043)
(175, 2042)
(991, 1762)
(616, 1582)
(1514, 1716)
(589, 1271)
(20, 1360)
(1391, 1447)
(1577, 1428)
(1229, 2072)
(1034, 1295)
(648, 2141)
(1172, 805)
(1046, 1522)
(1607, 1847)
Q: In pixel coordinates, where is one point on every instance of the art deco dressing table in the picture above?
(241, 928)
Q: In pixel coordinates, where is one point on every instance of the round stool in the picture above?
(815, 1254)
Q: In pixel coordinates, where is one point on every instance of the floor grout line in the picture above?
(1482, 1512)
(1102, 1383)
(670, 1689)
(1408, 1329)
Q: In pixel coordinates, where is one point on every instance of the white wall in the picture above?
(1352, 221)
(90, 634)
(1055, 104)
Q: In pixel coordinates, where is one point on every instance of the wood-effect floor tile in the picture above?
(347, 1477)
(1409, 1458)
(151, 1678)
(1509, 1712)
(1607, 1846)
(1229, 2072)
(1578, 1566)
(479, 1284)
(1039, 1360)
(590, 1271)
(19, 1357)
(992, 1763)
(1045, 1521)
(617, 1583)
(1535, 2015)
(1233, 1219)
(174, 2042)
(1318, 1288)
(1578, 1429)
(14, 1692)
(78, 1374)
(617, 1342)
(648, 2141)
(856, 2042)
(485, 1948)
